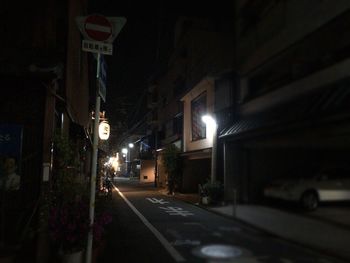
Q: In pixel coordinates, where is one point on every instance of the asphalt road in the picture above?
(150, 227)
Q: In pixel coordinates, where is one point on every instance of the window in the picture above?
(198, 109)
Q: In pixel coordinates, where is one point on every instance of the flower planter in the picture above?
(205, 200)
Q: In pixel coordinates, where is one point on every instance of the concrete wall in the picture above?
(147, 171)
(280, 25)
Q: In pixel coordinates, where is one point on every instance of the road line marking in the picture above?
(157, 201)
(172, 251)
(176, 211)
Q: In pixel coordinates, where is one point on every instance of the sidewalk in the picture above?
(322, 236)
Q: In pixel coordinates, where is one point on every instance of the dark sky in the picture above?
(135, 49)
(134, 54)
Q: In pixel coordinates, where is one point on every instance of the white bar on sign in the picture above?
(98, 28)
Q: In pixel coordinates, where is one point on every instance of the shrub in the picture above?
(214, 190)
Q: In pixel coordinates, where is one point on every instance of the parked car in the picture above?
(324, 187)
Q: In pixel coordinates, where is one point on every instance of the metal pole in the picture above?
(156, 159)
(94, 164)
(214, 155)
(234, 207)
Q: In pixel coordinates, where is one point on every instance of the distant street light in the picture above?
(128, 158)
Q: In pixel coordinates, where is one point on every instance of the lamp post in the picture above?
(131, 145)
(125, 153)
(211, 128)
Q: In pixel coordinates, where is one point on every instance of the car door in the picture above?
(344, 185)
(334, 187)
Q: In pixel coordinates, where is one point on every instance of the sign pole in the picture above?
(94, 164)
(99, 33)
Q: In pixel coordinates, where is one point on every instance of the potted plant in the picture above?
(69, 221)
(212, 192)
(102, 219)
(68, 208)
(69, 226)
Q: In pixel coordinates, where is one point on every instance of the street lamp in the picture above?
(131, 145)
(125, 154)
(211, 128)
(124, 151)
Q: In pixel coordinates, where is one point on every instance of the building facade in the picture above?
(291, 118)
(44, 88)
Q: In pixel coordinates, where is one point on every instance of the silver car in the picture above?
(325, 187)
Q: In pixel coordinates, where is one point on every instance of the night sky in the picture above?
(136, 53)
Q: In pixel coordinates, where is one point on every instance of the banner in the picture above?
(10, 156)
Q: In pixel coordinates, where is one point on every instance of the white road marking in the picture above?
(176, 211)
(172, 251)
(157, 201)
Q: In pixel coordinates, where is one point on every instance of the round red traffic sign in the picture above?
(98, 27)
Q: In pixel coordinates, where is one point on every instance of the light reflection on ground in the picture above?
(217, 251)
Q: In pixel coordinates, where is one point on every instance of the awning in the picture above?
(241, 126)
(317, 106)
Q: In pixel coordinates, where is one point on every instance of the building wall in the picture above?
(287, 61)
(202, 49)
(147, 171)
(77, 85)
(200, 52)
(298, 57)
(278, 25)
(190, 145)
(196, 171)
(34, 57)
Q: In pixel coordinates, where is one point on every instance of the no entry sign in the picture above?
(98, 27)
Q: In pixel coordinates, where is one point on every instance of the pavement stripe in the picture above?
(172, 251)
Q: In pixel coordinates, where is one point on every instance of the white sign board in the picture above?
(97, 47)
